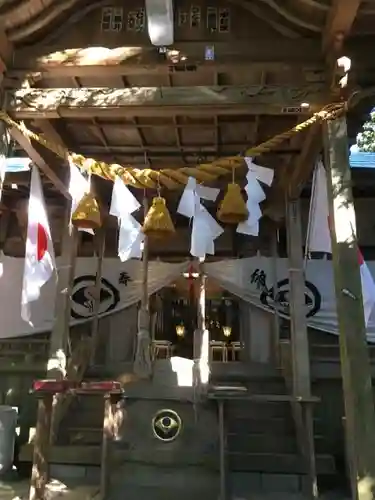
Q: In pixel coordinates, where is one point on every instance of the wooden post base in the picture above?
(40, 470)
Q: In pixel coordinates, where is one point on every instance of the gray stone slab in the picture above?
(63, 472)
(281, 483)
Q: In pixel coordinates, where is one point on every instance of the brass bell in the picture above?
(232, 209)
(87, 213)
(158, 222)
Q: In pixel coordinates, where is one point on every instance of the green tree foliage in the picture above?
(366, 138)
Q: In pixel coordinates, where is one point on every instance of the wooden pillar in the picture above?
(276, 316)
(201, 335)
(59, 337)
(109, 431)
(100, 251)
(298, 324)
(40, 470)
(142, 361)
(355, 363)
(201, 319)
(4, 152)
(222, 456)
(301, 383)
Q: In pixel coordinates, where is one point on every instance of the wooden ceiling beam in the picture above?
(6, 51)
(341, 17)
(147, 124)
(145, 58)
(305, 162)
(105, 71)
(173, 161)
(162, 101)
(229, 58)
(50, 132)
(266, 17)
(191, 149)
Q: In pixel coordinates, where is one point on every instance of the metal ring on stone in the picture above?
(166, 425)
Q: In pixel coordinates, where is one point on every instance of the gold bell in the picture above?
(158, 222)
(87, 213)
(232, 209)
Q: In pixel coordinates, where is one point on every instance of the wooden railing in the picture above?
(24, 350)
(331, 352)
(32, 353)
(303, 419)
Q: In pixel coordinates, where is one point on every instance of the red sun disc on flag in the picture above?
(360, 258)
(41, 242)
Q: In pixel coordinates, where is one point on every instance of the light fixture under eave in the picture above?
(190, 275)
(160, 22)
(180, 330)
(227, 330)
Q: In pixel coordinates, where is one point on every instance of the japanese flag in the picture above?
(319, 240)
(40, 256)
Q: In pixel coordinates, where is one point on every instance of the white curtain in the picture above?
(251, 280)
(121, 288)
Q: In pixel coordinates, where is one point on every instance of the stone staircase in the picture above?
(262, 450)
(261, 447)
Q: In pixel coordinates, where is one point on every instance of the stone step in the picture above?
(274, 424)
(260, 425)
(85, 435)
(237, 442)
(252, 462)
(260, 443)
(261, 410)
(283, 463)
(270, 443)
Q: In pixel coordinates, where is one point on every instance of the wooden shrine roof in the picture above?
(178, 108)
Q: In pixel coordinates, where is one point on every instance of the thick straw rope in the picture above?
(174, 178)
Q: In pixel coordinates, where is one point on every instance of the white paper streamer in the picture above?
(131, 238)
(255, 195)
(78, 187)
(205, 229)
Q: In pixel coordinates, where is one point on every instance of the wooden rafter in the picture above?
(264, 16)
(37, 157)
(171, 150)
(49, 131)
(141, 101)
(289, 16)
(6, 51)
(340, 20)
(142, 59)
(305, 162)
(47, 16)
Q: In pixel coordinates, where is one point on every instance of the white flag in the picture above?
(131, 237)
(78, 187)
(3, 168)
(368, 288)
(319, 239)
(40, 256)
(318, 234)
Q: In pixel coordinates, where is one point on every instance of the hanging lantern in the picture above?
(87, 213)
(232, 209)
(180, 330)
(158, 222)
